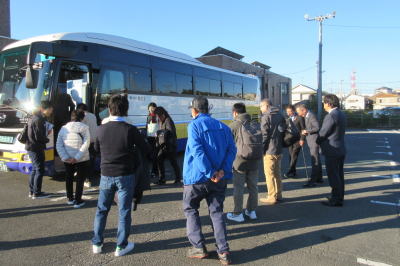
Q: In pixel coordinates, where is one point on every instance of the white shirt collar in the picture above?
(117, 118)
(332, 109)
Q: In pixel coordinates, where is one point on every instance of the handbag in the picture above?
(152, 129)
(291, 135)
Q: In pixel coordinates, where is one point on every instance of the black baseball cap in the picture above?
(199, 102)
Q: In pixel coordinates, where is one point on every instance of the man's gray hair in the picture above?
(266, 101)
(301, 106)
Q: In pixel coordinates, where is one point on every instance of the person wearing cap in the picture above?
(210, 152)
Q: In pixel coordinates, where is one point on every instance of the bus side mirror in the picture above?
(31, 78)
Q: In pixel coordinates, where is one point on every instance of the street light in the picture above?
(319, 91)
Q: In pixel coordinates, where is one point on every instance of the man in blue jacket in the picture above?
(209, 156)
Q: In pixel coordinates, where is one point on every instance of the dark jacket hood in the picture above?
(242, 117)
(271, 110)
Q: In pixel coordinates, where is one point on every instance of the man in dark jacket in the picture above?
(272, 126)
(331, 140)
(294, 150)
(311, 132)
(35, 145)
(244, 171)
(115, 141)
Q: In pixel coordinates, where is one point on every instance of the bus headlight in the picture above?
(25, 157)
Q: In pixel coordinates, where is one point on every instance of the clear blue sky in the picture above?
(272, 32)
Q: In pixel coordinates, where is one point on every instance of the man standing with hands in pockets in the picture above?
(209, 156)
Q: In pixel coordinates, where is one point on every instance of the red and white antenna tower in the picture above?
(353, 82)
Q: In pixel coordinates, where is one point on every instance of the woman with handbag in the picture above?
(151, 128)
(73, 147)
(166, 123)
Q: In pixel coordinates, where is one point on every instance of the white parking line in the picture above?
(392, 163)
(385, 203)
(390, 153)
(370, 262)
(383, 176)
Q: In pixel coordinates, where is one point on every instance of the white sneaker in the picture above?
(87, 184)
(78, 205)
(97, 249)
(252, 214)
(121, 252)
(237, 218)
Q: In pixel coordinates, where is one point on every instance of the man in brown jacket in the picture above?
(244, 171)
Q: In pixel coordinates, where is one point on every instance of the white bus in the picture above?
(91, 67)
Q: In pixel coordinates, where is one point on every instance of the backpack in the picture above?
(291, 135)
(23, 137)
(250, 141)
(164, 140)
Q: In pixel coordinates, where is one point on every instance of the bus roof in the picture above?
(120, 42)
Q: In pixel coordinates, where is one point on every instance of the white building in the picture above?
(354, 102)
(301, 92)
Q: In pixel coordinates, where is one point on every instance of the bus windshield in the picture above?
(13, 91)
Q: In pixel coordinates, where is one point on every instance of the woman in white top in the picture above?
(73, 147)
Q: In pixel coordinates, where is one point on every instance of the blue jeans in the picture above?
(38, 169)
(214, 193)
(124, 186)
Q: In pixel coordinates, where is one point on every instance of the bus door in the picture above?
(72, 88)
(112, 80)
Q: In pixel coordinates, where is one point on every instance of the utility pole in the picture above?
(341, 94)
(319, 91)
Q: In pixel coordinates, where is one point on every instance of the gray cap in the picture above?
(199, 102)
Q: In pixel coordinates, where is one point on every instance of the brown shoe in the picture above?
(268, 200)
(279, 198)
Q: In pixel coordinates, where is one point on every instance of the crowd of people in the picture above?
(212, 157)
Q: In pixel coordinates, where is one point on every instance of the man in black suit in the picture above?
(311, 132)
(294, 150)
(331, 140)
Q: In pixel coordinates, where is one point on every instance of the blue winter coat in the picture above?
(210, 147)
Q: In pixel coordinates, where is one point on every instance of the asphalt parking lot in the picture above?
(299, 231)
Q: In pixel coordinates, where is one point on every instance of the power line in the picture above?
(299, 71)
(373, 83)
(365, 27)
(285, 51)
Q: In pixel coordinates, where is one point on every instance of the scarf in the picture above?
(153, 119)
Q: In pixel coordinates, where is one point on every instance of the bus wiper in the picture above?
(16, 109)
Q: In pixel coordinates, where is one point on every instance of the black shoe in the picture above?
(308, 184)
(320, 181)
(160, 182)
(177, 182)
(41, 195)
(290, 175)
(225, 258)
(197, 253)
(332, 203)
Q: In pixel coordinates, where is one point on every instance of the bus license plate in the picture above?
(6, 139)
(3, 166)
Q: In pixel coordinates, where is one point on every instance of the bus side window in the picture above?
(113, 82)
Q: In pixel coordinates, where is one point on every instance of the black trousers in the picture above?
(294, 152)
(316, 167)
(70, 169)
(92, 160)
(334, 168)
(154, 152)
(174, 163)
